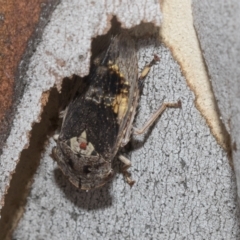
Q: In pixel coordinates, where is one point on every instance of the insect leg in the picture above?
(127, 164)
(147, 68)
(154, 117)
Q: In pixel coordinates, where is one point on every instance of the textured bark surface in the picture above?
(178, 33)
(184, 187)
(21, 25)
(217, 25)
(63, 51)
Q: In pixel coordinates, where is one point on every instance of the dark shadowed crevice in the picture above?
(20, 185)
(16, 198)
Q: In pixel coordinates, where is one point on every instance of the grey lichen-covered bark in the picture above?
(64, 51)
(218, 29)
(184, 187)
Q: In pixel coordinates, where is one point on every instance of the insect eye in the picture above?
(86, 169)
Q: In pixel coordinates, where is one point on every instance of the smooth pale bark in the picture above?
(217, 25)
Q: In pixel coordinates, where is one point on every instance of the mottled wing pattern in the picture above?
(104, 109)
(124, 53)
(95, 121)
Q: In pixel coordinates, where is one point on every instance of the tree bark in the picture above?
(185, 187)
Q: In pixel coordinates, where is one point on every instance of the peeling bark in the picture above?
(184, 187)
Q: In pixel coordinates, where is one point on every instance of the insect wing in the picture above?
(94, 124)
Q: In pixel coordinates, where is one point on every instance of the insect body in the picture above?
(99, 122)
